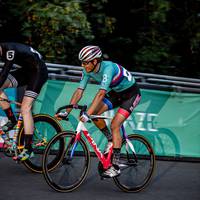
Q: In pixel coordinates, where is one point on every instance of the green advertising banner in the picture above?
(169, 120)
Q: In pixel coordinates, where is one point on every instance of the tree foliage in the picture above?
(157, 36)
(54, 27)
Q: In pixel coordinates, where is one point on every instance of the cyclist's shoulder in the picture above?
(107, 63)
(108, 66)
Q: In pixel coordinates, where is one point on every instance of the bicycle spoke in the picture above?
(136, 165)
(72, 168)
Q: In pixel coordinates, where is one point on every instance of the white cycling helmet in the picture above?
(89, 53)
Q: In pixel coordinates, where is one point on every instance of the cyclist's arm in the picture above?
(96, 101)
(76, 97)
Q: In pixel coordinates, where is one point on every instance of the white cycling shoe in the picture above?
(111, 172)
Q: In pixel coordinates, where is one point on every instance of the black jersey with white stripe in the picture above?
(20, 54)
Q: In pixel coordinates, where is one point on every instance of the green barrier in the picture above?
(169, 120)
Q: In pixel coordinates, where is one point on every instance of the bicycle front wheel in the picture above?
(137, 163)
(73, 166)
(45, 127)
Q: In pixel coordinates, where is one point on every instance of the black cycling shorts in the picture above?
(127, 99)
(33, 78)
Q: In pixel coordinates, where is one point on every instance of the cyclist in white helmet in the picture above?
(117, 88)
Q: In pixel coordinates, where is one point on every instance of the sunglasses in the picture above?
(85, 62)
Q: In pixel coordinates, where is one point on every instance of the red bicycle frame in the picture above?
(105, 160)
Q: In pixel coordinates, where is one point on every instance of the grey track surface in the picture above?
(171, 181)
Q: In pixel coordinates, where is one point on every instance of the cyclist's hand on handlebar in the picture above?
(62, 115)
(84, 117)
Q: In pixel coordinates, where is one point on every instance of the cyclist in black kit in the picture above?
(32, 73)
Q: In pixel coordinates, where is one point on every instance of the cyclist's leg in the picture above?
(108, 103)
(26, 112)
(101, 124)
(35, 81)
(9, 83)
(116, 123)
(126, 108)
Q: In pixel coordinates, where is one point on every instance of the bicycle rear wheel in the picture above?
(73, 166)
(136, 168)
(45, 127)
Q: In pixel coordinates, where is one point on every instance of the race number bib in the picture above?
(10, 55)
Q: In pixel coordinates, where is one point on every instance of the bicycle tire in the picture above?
(136, 169)
(45, 127)
(71, 171)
